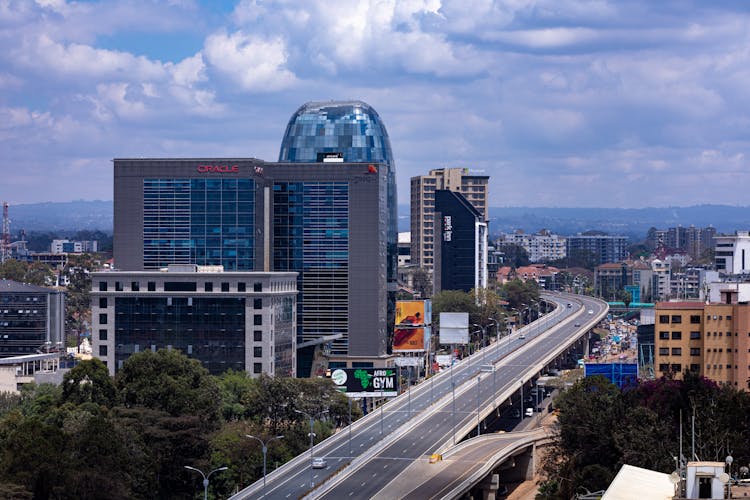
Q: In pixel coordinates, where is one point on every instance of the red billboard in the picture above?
(409, 339)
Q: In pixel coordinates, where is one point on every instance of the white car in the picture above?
(319, 463)
(529, 412)
(522, 336)
(591, 311)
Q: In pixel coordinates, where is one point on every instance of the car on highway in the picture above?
(529, 412)
(522, 336)
(570, 305)
(576, 325)
(319, 463)
(591, 311)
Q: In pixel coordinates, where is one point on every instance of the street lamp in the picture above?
(264, 449)
(205, 478)
(312, 436)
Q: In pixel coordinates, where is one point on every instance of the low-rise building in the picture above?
(31, 318)
(239, 320)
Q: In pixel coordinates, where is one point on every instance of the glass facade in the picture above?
(211, 330)
(311, 237)
(283, 328)
(23, 324)
(198, 221)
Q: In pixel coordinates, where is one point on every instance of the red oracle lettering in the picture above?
(222, 169)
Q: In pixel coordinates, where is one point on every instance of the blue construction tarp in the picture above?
(620, 374)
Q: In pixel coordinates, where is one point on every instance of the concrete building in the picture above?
(240, 320)
(542, 246)
(38, 368)
(461, 256)
(32, 318)
(67, 246)
(733, 253)
(474, 188)
(404, 249)
(709, 339)
(602, 248)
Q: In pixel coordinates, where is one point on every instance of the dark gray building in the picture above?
(32, 318)
(461, 249)
(326, 221)
(602, 248)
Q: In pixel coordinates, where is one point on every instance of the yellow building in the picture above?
(710, 339)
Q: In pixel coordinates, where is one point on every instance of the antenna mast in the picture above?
(5, 253)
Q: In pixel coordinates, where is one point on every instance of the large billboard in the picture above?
(413, 312)
(366, 382)
(408, 339)
(454, 328)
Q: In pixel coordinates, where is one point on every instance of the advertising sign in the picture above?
(413, 312)
(409, 361)
(366, 382)
(443, 359)
(454, 328)
(407, 339)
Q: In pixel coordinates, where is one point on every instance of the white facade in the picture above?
(660, 279)
(540, 247)
(480, 258)
(733, 253)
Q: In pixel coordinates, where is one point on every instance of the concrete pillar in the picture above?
(489, 486)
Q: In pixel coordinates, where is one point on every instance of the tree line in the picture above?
(131, 435)
(602, 428)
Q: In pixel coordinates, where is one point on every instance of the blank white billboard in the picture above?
(454, 328)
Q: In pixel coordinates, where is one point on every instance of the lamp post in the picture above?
(312, 436)
(479, 391)
(264, 449)
(205, 478)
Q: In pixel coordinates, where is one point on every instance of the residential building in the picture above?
(732, 254)
(238, 320)
(602, 248)
(541, 247)
(660, 279)
(692, 240)
(709, 339)
(461, 256)
(32, 318)
(473, 187)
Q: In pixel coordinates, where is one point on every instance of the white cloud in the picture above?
(257, 64)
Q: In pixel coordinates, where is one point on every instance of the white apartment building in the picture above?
(733, 253)
(542, 246)
(473, 187)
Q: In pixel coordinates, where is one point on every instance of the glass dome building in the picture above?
(354, 129)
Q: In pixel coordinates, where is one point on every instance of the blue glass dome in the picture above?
(349, 127)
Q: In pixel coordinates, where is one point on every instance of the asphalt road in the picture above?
(386, 441)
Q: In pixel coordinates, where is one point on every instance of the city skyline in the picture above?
(561, 103)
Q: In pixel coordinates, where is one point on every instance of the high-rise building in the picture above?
(461, 244)
(601, 248)
(474, 188)
(325, 221)
(733, 253)
(32, 318)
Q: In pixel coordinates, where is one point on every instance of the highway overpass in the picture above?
(436, 414)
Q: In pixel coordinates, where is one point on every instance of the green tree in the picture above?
(514, 255)
(34, 273)
(518, 292)
(89, 382)
(171, 382)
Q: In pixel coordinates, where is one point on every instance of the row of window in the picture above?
(257, 337)
(257, 319)
(677, 351)
(179, 286)
(695, 319)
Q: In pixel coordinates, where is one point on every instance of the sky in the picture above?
(586, 103)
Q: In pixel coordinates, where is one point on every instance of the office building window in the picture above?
(241, 287)
(118, 286)
(208, 286)
(664, 335)
(257, 352)
(103, 302)
(102, 319)
(135, 286)
(676, 319)
(258, 319)
(225, 287)
(663, 318)
(258, 335)
(676, 335)
(677, 351)
(257, 303)
(664, 367)
(152, 286)
(257, 287)
(676, 368)
(664, 351)
(102, 334)
(102, 350)
(695, 319)
(102, 286)
(257, 367)
(695, 351)
(695, 335)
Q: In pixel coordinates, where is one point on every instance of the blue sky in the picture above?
(588, 103)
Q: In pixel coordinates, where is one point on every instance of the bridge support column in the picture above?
(489, 486)
(524, 467)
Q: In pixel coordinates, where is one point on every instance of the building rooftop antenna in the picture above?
(5, 244)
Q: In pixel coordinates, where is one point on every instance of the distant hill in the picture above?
(633, 222)
(63, 216)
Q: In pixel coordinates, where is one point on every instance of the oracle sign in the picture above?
(221, 169)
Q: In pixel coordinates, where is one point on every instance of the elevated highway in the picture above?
(436, 414)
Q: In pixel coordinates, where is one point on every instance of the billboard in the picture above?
(407, 339)
(413, 312)
(366, 382)
(409, 361)
(454, 328)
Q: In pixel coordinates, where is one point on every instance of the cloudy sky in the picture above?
(590, 103)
